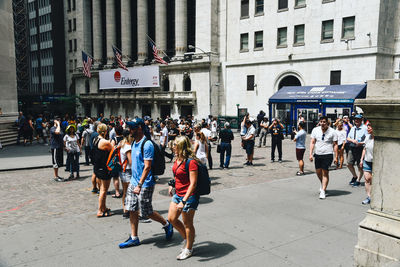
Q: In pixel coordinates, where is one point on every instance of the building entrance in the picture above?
(310, 116)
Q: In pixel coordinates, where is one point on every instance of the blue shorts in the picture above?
(249, 147)
(191, 203)
(367, 166)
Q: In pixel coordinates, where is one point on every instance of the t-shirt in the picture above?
(92, 137)
(276, 129)
(56, 140)
(112, 134)
(264, 124)
(369, 149)
(360, 134)
(226, 136)
(86, 136)
(301, 139)
(207, 134)
(138, 162)
(250, 131)
(182, 180)
(164, 136)
(324, 147)
(341, 135)
(214, 126)
(173, 131)
(126, 148)
(201, 151)
(39, 122)
(71, 143)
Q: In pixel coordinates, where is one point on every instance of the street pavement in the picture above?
(260, 216)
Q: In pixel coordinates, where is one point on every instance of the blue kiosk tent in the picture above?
(330, 100)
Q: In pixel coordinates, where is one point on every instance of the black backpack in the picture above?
(203, 186)
(158, 164)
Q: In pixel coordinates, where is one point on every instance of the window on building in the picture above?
(69, 26)
(244, 42)
(244, 9)
(259, 9)
(250, 82)
(299, 34)
(258, 39)
(282, 37)
(348, 28)
(335, 77)
(187, 84)
(327, 30)
(299, 3)
(74, 25)
(69, 5)
(73, 4)
(75, 46)
(71, 65)
(75, 64)
(70, 46)
(282, 4)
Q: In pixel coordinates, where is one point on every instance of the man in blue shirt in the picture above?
(356, 139)
(300, 140)
(140, 191)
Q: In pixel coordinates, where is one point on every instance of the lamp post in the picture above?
(209, 73)
(238, 116)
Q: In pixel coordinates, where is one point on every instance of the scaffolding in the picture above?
(21, 45)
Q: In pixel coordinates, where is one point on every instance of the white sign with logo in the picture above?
(136, 77)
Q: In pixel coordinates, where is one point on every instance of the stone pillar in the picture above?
(93, 109)
(111, 30)
(97, 36)
(142, 29)
(180, 27)
(379, 233)
(161, 26)
(126, 37)
(155, 111)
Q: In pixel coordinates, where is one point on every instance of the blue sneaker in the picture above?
(366, 201)
(130, 243)
(356, 184)
(169, 231)
(353, 180)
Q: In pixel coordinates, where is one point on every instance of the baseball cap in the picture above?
(135, 123)
(358, 116)
(147, 118)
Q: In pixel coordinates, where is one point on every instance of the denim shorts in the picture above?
(191, 203)
(367, 166)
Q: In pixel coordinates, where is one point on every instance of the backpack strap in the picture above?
(142, 146)
(187, 165)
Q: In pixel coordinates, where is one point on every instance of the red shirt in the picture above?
(182, 180)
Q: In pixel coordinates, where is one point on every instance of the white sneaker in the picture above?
(186, 253)
(183, 245)
(322, 194)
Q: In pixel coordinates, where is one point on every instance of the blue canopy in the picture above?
(325, 94)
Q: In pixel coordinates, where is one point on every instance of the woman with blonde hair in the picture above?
(184, 200)
(126, 173)
(101, 150)
(201, 147)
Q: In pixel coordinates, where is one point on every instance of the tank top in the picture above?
(100, 161)
(201, 151)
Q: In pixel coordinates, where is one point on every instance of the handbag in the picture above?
(219, 148)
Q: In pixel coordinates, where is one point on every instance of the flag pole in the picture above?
(151, 40)
(121, 52)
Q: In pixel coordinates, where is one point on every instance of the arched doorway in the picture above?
(289, 80)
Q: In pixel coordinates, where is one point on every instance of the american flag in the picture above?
(157, 58)
(118, 58)
(87, 64)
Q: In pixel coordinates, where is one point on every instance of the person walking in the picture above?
(248, 139)
(126, 173)
(73, 148)
(366, 161)
(263, 132)
(101, 150)
(356, 139)
(20, 123)
(164, 141)
(207, 133)
(56, 146)
(342, 134)
(141, 188)
(28, 130)
(114, 142)
(324, 141)
(85, 142)
(276, 129)
(184, 201)
(226, 137)
(201, 148)
(300, 139)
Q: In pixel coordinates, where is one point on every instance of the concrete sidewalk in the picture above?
(275, 223)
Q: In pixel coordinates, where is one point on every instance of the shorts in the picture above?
(323, 161)
(367, 166)
(249, 147)
(300, 153)
(340, 146)
(102, 173)
(354, 156)
(57, 157)
(142, 201)
(126, 176)
(191, 204)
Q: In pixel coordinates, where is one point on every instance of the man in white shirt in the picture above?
(324, 140)
(164, 140)
(249, 141)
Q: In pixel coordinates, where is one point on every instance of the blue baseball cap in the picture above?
(358, 116)
(147, 118)
(135, 123)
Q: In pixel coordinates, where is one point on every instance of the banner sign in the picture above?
(136, 77)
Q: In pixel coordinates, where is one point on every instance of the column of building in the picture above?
(126, 27)
(142, 29)
(97, 36)
(111, 34)
(180, 27)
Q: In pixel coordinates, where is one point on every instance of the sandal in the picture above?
(107, 213)
(299, 173)
(115, 196)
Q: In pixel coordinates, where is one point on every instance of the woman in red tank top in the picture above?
(184, 201)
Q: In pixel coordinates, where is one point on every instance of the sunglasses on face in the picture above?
(323, 137)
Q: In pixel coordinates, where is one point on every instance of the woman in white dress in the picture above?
(201, 147)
